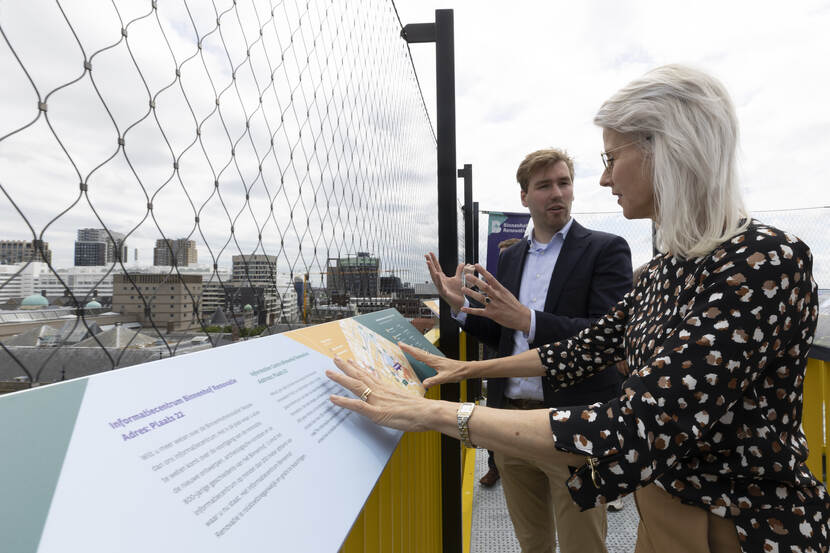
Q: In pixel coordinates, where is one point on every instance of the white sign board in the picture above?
(226, 450)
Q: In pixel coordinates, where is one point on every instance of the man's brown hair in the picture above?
(504, 244)
(542, 159)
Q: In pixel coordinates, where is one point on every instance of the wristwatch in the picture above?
(465, 411)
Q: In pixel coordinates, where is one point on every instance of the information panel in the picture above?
(231, 449)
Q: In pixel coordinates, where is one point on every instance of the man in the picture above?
(489, 480)
(561, 278)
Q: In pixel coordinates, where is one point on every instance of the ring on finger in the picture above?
(366, 393)
(487, 299)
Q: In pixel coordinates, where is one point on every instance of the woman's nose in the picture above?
(605, 178)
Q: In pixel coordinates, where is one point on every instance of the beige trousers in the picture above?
(667, 525)
(542, 509)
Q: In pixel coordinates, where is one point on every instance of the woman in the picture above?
(707, 431)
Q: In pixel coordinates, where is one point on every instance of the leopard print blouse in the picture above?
(711, 412)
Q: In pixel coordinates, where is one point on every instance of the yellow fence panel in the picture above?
(403, 513)
(816, 417)
(467, 487)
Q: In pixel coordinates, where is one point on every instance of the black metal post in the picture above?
(473, 384)
(475, 231)
(447, 215)
(467, 174)
(448, 257)
(477, 260)
(654, 250)
(441, 32)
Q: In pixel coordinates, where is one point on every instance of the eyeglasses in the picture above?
(607, 160)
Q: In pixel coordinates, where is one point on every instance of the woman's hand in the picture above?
(449, 370)
(516, 432)
(385, 403)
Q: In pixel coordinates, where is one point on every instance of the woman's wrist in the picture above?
(440, 416)
(469, 370)
(478, 369)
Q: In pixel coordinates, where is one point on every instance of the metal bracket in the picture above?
(418, 32)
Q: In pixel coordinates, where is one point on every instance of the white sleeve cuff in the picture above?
(460, 316)
(530, 336)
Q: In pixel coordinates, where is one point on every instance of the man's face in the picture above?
(549, 197)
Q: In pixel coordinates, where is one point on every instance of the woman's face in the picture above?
(628, 175)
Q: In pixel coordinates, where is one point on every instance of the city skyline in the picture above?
(131, 263)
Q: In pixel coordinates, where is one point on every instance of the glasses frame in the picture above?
(608, 161)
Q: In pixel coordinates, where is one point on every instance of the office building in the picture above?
(180, 252)
(355, 276)
(278, 298)
(21, 251)
(170, 301)
(19, 281)
(99, 247)
(83, 282)
(255, 270)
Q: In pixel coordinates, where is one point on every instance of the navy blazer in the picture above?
(592, 273)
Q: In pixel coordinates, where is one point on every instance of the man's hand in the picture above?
(499, 304)
(449, 288)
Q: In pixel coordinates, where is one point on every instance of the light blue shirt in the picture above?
(533, 290)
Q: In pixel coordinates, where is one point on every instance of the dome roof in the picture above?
(92, 305)
(35, 300)
(247, 307)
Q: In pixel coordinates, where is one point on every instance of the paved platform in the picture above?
(492, 531)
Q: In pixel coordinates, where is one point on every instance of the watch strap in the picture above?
(465, 411)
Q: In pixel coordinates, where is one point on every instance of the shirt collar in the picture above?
(538, 246)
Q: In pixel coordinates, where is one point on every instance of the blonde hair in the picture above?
(689, 134)
(542, 159)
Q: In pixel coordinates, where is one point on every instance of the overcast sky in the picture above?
(533, 75)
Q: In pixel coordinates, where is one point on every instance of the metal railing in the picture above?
(277, 141)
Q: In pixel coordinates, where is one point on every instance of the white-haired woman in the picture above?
(707, 430)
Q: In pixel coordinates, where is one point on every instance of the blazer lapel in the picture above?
(571, 251)
(514, 266)
(513, 262)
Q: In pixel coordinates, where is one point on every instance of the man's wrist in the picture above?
(528, 320)
(452, 302)
(456, 311)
